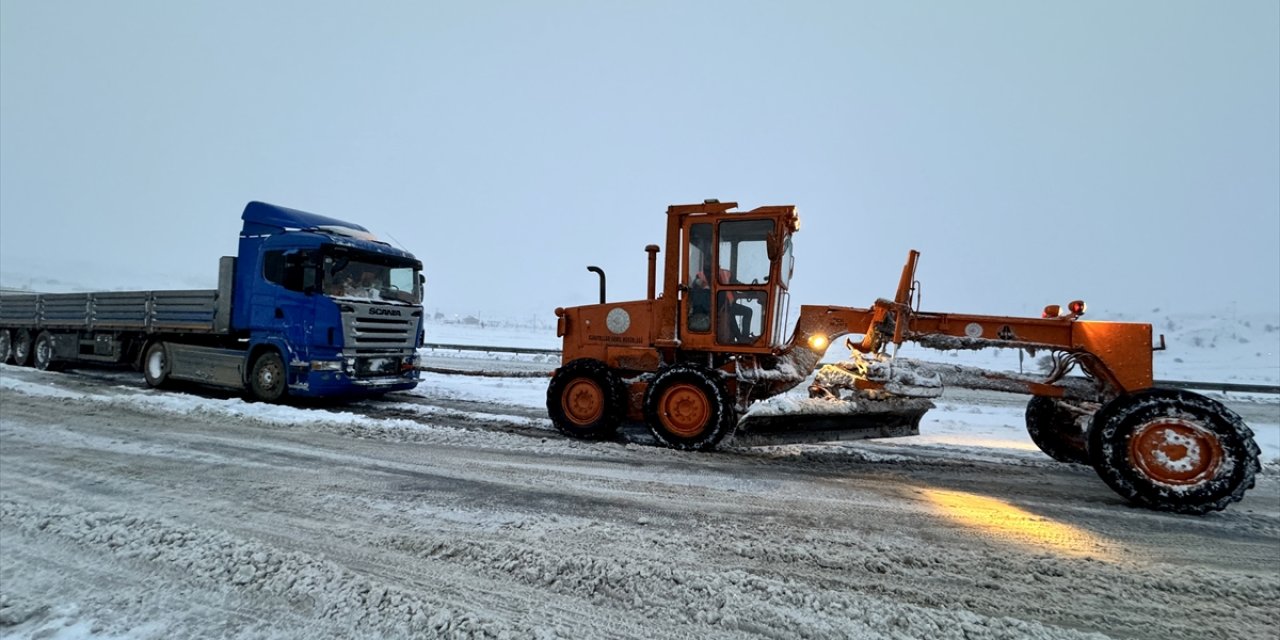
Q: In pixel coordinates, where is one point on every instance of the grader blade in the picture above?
(860, 416)
(899, 377)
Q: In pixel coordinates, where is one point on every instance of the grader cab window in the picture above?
(699, 283)
(788, 263)
(741, 315)
(744, 253)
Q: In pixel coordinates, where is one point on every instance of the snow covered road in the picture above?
(457, 513)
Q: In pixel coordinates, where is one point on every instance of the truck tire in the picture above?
(6, 346)
(156, 365)
(268, 379)
(1053, 427)
(586, 400)
(42, 353)
(687, 407)
(21, 347)
(1173, 450)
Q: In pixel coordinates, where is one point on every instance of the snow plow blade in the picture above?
(790, 421)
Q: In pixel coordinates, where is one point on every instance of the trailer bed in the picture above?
(179, 311)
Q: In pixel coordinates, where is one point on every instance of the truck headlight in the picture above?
(326, 365)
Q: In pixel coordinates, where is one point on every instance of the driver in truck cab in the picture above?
(364, 283)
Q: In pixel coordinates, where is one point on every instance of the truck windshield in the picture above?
(370, 277)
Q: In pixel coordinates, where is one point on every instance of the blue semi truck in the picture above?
(311, 307)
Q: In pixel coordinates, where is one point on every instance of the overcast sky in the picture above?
(1124, 153)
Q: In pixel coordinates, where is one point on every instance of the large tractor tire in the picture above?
(1055, 428)
(1173, 450)
(156, 365)
(687, 407)
(21, 347)
(586, 400)
(42, 352)
(6, 346)
(268, 379)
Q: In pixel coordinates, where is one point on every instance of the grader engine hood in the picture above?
(622, 332)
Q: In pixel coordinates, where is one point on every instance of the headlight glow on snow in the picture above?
(999, 520)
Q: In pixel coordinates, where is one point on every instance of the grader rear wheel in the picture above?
(1055, 429)
(1173, 451)
(687, 407)
(586, 400)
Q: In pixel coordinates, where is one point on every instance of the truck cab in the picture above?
(340, 310)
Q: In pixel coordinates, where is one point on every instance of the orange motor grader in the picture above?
(692, 361)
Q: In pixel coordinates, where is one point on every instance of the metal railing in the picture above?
(468, 347)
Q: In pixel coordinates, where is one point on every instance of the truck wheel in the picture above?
(268, 381)
(586, 400)
(1053, 427)
(687, 407)
(6, 346)
(156, 365)
(43, 351)
(21, 347)
(1174, 451)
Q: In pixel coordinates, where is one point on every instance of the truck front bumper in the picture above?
(353, 376)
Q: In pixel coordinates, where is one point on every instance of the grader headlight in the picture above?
(818, 342)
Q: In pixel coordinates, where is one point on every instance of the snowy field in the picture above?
(456, 511)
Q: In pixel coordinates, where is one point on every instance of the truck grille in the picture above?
(374, 328)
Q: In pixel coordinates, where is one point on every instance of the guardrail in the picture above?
(1223, 387)
(468, 347)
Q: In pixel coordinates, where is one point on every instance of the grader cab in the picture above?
(709, 358)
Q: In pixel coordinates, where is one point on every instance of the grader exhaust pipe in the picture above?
(598, 270)
(653, 250)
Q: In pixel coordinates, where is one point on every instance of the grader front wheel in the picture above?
(1173, 451)
(1053, 426)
